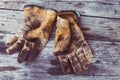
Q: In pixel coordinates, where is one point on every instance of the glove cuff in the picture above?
(39, 6)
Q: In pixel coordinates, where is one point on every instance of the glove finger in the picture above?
(87, 51)
(65, 64)
(36, 48)
(15, 47)
(24, 52)
(77, 68)
(82, 59)
(31, 34)
(12, 40)
(62, 37)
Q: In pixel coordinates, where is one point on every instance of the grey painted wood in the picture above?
(105, 63)
(101, 25)
(99, 9)
(98, 1)
(94, 28)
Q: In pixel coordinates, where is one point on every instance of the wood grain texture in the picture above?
(101, 29)
(100, 22)
(96, 1)
(96, 9)
(105, 63)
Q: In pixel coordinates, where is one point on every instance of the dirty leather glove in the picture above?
(71, 48)
(33, 34)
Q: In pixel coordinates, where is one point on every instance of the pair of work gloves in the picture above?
(71, 48)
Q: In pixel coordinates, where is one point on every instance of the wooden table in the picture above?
(100, 22)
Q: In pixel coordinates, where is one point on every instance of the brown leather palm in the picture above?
(33, 33)
(74, 51)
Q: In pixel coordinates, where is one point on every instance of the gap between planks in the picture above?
(85, 8)
(100, 29)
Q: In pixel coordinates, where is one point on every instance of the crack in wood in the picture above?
(8, 68)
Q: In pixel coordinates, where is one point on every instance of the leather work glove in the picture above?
(71, 48)
(33, 34)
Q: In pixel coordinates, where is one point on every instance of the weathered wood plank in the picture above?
(105, 64)
(101, 29)
(94, 28)
(93, 1)
(15, 4)
(105, 49)
(102, 35)
(85, 8)
(101, 49)
(11, 0)
(90, 9)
